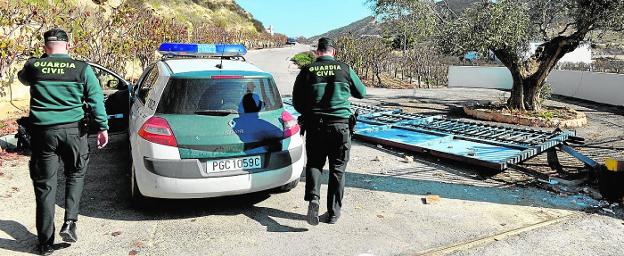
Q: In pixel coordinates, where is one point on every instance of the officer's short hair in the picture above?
(325, 44)
(55, 35)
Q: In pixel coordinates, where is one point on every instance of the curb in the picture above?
(579, 121)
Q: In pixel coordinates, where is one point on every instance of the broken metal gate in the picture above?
(492, 146)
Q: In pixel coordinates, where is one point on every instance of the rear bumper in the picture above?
(196, 168)
(192, 181)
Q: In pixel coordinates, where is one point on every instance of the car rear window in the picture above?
(240, 95)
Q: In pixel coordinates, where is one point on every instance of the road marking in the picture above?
(480, 242)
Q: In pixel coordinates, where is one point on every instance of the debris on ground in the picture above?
(408, 159)
(377, 159)
(8, 156)
(116, 233)
(138, 244)
(592, 192)
(603, 204)
(380, 216)
(133, 252)
(8, 126)
(430, 199)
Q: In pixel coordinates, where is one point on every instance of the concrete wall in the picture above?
(479, 77)
(599, 87)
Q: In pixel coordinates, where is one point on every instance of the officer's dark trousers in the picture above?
(49, 147)
(327, 141)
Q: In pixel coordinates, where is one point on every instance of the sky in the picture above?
(306, 17)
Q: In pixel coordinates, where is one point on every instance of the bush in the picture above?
(302, 59)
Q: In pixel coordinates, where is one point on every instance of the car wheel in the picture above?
(290, 186)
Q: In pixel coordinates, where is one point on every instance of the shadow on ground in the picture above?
(107, 189)
(23, 240)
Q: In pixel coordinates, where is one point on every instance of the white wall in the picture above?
(599, 87)
(479, 77)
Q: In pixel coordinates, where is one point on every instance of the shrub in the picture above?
(302, 59)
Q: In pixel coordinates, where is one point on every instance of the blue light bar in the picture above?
(209, 50)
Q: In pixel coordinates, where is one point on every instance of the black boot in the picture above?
(68, 231)
(332, 219)
(313, 209)
(45, 249)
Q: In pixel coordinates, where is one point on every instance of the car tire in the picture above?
(288, 187)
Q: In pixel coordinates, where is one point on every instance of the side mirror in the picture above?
(113, 83)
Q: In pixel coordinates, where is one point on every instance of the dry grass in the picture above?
(546, 113)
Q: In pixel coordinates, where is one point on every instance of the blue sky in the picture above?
(306, 17)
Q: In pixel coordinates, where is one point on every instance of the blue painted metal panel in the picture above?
(482, 144)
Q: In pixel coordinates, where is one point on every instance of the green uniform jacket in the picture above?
(323, 88)
(58, 86)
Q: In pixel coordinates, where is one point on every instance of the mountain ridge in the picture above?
(365, 26)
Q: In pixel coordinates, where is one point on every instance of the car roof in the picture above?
(202, 67)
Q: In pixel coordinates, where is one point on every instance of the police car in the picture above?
(205, 123)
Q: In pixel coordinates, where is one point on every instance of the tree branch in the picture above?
(566, 28)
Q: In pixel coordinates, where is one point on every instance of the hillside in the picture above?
(119, 34)
(221, 13)
(366, 26)
(370, 26)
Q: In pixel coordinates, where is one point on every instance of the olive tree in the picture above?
(507, 27)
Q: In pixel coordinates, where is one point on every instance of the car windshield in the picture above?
(219, 96)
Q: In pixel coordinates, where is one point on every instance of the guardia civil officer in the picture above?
(58, 87)
(321, 94)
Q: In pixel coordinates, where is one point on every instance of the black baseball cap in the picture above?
(55, 34)
(325, 42)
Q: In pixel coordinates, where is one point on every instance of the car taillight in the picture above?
(157, 130)
(291, 126)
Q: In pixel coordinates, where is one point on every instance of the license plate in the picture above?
(234, 164)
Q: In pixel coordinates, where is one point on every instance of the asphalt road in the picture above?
(384, 213)
(277, 61)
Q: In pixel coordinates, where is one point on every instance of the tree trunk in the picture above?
(529, 75)
(532, 94)
(516, 100)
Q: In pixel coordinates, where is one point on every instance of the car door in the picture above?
(140, 99)
(117, 93)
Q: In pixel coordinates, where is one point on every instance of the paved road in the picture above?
(277, 61)
(383, 213)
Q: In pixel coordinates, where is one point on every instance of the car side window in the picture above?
(147, 84)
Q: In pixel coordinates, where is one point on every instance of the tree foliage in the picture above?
(407, 20)
(403, 53)
(507, 27)
(375, 60)
(112, 37)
